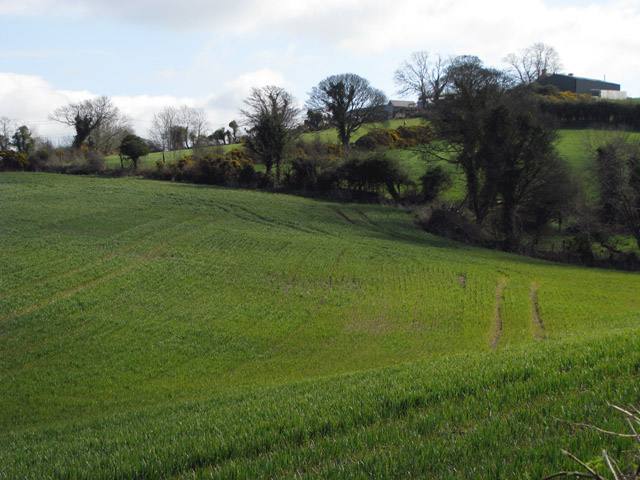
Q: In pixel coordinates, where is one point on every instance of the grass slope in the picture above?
(154, 330)
(574, 145)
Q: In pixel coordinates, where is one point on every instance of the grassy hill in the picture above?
(574, 145)
(157, 330)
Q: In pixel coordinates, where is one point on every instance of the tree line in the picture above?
(494, 128)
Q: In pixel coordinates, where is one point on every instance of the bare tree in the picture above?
(86, 117)
(194, 121)
(271, 117)
(422, 77)
(176, 128)
(7, 128)
(348, 101)
(162, 126)
(106, 138)
(534, 62)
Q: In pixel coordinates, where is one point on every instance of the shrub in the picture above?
(334, 151)
(401, 137)
(374, 172)
(40, 159)
(415, 135)
(380, 139)
(434, 180)
(450, 223)
(303, 174)
(10, 160)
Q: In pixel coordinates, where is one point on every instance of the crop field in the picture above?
(159, 330)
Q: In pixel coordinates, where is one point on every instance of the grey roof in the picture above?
(402, 103)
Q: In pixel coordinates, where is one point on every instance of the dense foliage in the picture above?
(134, 147)
(585, 111)
(498, 138)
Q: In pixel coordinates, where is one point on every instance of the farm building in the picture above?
(597, 88)
(401, 109)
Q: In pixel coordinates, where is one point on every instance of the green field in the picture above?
(159, 330)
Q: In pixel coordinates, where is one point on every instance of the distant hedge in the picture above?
(591, 112)
(231, 169)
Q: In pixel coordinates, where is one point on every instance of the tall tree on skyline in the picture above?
(348, 101)
(534, 62)
(422, 76)
(271, 115)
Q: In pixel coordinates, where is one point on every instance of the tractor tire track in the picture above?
(342, 215)
(536, 318)
(501, 286)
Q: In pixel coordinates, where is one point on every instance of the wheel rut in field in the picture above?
(261, 219)
(501, 286)
(364, 217)
(365, 222)
(536, 318)
(342, 215)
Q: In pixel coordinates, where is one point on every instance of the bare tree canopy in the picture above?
(86, 117)
(422, 77)
(7, 127)
(349, 101)
(177, 128)
(196, 123)
(162, 126)
(534, 62)
(107, 136)
(271, 117)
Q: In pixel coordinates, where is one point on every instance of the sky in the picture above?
(149, 54)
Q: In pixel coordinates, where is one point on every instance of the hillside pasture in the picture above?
(156, 330)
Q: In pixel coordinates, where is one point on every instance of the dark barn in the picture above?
(571, 83)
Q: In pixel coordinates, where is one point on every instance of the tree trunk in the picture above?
(511, 242)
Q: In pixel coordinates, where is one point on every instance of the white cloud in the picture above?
(290, 39)
(600, 36)
(30, 100)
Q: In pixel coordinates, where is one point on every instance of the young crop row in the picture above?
(487, 415)
(151, 329)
